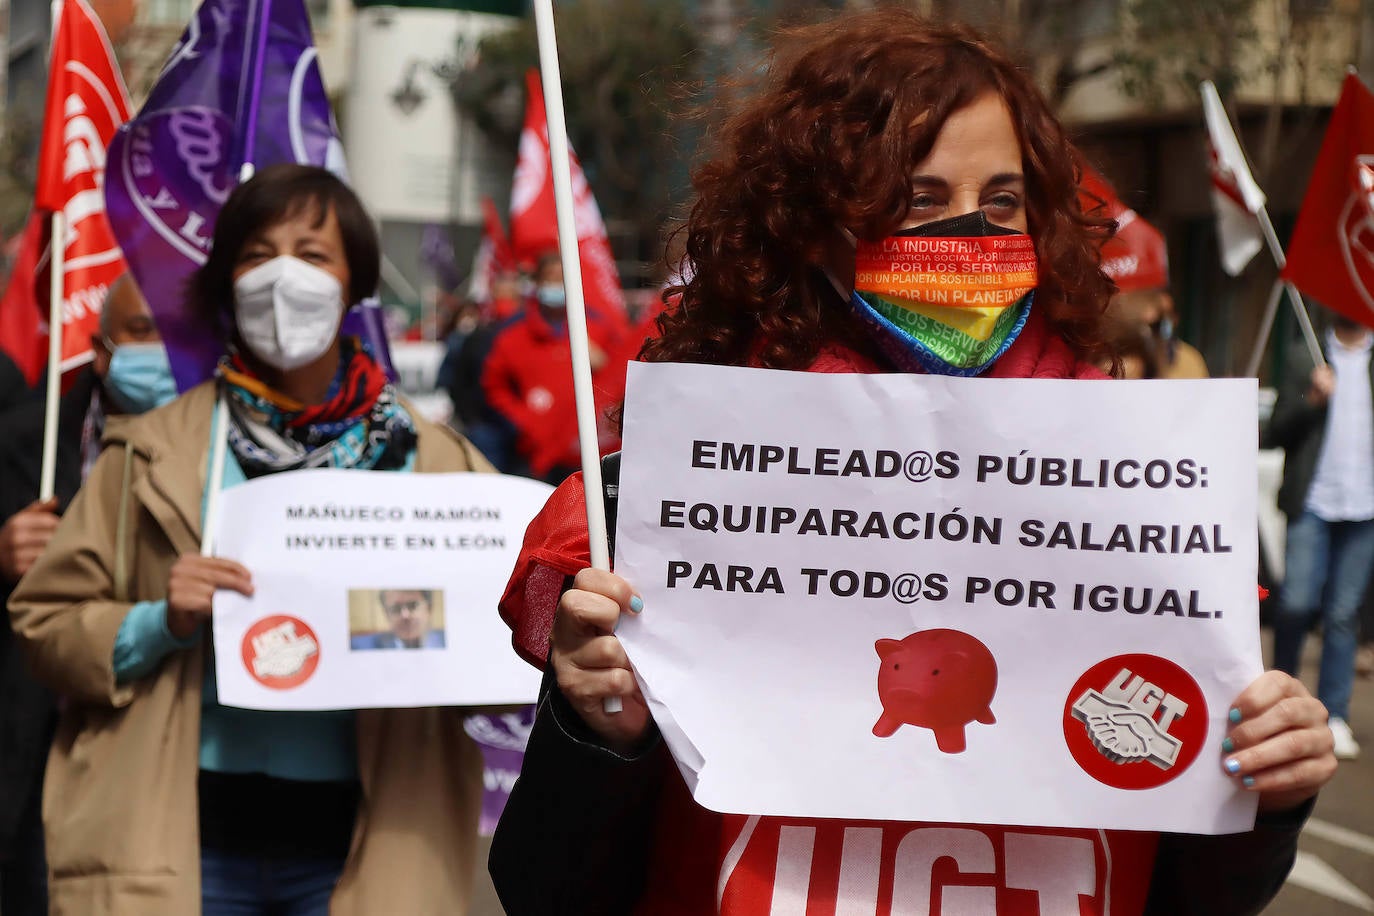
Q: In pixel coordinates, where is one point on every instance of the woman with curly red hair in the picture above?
(872, 134)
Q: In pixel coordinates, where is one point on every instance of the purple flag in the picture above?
(502, 740)
(242, 86)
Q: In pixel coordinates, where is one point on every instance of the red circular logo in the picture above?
(280, 652)
(1135, 721)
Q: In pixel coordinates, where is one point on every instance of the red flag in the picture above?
(494, 255)
(23, 336)
(1136, 258)
(86, 104)
(534, 220)
(1331, 253)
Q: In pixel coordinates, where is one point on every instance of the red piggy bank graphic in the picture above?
(936, 679)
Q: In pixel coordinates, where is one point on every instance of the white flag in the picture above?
(1235, 195)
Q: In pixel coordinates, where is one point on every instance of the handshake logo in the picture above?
(280, 652)
(1135, 721)
(1124, 733)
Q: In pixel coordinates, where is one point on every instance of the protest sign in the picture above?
(371, 590)
(923, 598)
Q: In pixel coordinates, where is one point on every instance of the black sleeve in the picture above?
(1232, 875)
(576, 834)
(13, 387)
(1294, 419)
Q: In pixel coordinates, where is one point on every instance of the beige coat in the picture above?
(119, 804)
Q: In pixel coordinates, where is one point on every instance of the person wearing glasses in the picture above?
(409, 616)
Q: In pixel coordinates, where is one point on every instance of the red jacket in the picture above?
(528, 380)
(688, 860)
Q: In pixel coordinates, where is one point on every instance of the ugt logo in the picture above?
(1135, 721)
(1356, 229)
(1121, 722)
(280, 651)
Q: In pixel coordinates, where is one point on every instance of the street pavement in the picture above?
(1334, 874)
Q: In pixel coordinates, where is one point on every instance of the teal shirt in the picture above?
(311, 746)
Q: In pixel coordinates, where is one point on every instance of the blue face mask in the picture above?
(552, 297)
(140, 377)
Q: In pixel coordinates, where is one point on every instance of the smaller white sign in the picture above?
(371, 590)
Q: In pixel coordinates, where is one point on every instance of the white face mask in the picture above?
(288, 311)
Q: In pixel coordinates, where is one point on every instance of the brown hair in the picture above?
(274, 194)
(845, 112)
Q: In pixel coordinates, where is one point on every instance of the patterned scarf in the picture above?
(360, 425)
(921, 343)
(947, 297)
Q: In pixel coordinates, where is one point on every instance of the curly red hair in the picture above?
(830, 137)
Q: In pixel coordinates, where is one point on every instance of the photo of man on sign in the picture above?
(396, 619)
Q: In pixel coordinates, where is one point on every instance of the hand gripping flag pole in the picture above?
(572, 281)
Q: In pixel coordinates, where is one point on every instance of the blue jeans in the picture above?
(235, 885)
(1327, 569)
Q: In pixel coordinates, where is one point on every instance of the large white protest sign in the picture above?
(371, 590)
(932, 599)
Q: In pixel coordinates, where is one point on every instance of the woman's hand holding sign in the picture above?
(1279, 744)
(191, 587)
(589, 662)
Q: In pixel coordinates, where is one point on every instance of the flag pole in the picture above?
(254, 91)
(47, 478)
(1271, 311)
(1271, 240)
(572, 281)
(1309, 335)
(57, 256)
(219, 446)
(219, 435)
(219, 441)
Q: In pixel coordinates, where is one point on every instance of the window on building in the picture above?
(166, 12)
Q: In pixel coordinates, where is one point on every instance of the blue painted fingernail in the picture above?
(1233, 766)
(1248, 782)
(636, 603)
(1227, 746)
(1234, 716)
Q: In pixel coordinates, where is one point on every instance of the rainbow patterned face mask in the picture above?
(948, 297)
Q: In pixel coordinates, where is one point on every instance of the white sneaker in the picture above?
(1347, 748)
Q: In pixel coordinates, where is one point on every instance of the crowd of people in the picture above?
(509, 375)
(126, 787)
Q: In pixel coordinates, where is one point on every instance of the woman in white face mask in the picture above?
(158, 799)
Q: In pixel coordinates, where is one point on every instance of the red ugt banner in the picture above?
(1331, 253)
(534, 219)
(86, 103)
